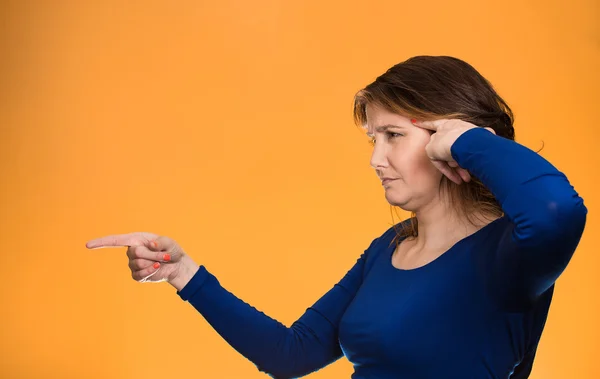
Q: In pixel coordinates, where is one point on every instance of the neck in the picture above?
(440, 226)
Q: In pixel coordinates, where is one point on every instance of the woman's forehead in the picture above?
(377, 116)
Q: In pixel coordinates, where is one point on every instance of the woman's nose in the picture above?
(378, 157)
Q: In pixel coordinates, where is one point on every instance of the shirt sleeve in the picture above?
(309, 344)
(547, 216)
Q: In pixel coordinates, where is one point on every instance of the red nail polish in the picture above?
(414, 121)
(167, 257)
(156, 265)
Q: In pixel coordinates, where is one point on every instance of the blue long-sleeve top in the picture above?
(477, 311)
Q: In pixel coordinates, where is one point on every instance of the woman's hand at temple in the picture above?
(445, 133)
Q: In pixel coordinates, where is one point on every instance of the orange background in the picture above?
(227, 126)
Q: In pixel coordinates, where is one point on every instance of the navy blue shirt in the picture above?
(477, 311)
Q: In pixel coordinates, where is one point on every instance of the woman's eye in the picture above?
(389, 136)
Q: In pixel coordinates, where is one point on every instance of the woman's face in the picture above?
(399, 154)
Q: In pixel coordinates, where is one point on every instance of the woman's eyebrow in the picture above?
(385, 127)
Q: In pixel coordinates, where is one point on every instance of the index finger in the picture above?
(115, 240)
(431, 125)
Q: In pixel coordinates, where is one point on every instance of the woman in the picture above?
(461, 289)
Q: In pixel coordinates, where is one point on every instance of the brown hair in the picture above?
(436, 87)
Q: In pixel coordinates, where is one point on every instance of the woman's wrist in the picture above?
(185, 272)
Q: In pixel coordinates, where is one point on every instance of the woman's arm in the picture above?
(309, 344)
(546, 213)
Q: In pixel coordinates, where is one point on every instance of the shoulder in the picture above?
(391, 234)
(385, 240)
(500, 229)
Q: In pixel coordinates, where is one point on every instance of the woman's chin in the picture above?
(397, 200)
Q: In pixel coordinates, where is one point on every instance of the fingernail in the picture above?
(156, 265)
(154, 244)
(414, 121)
(167, 257)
